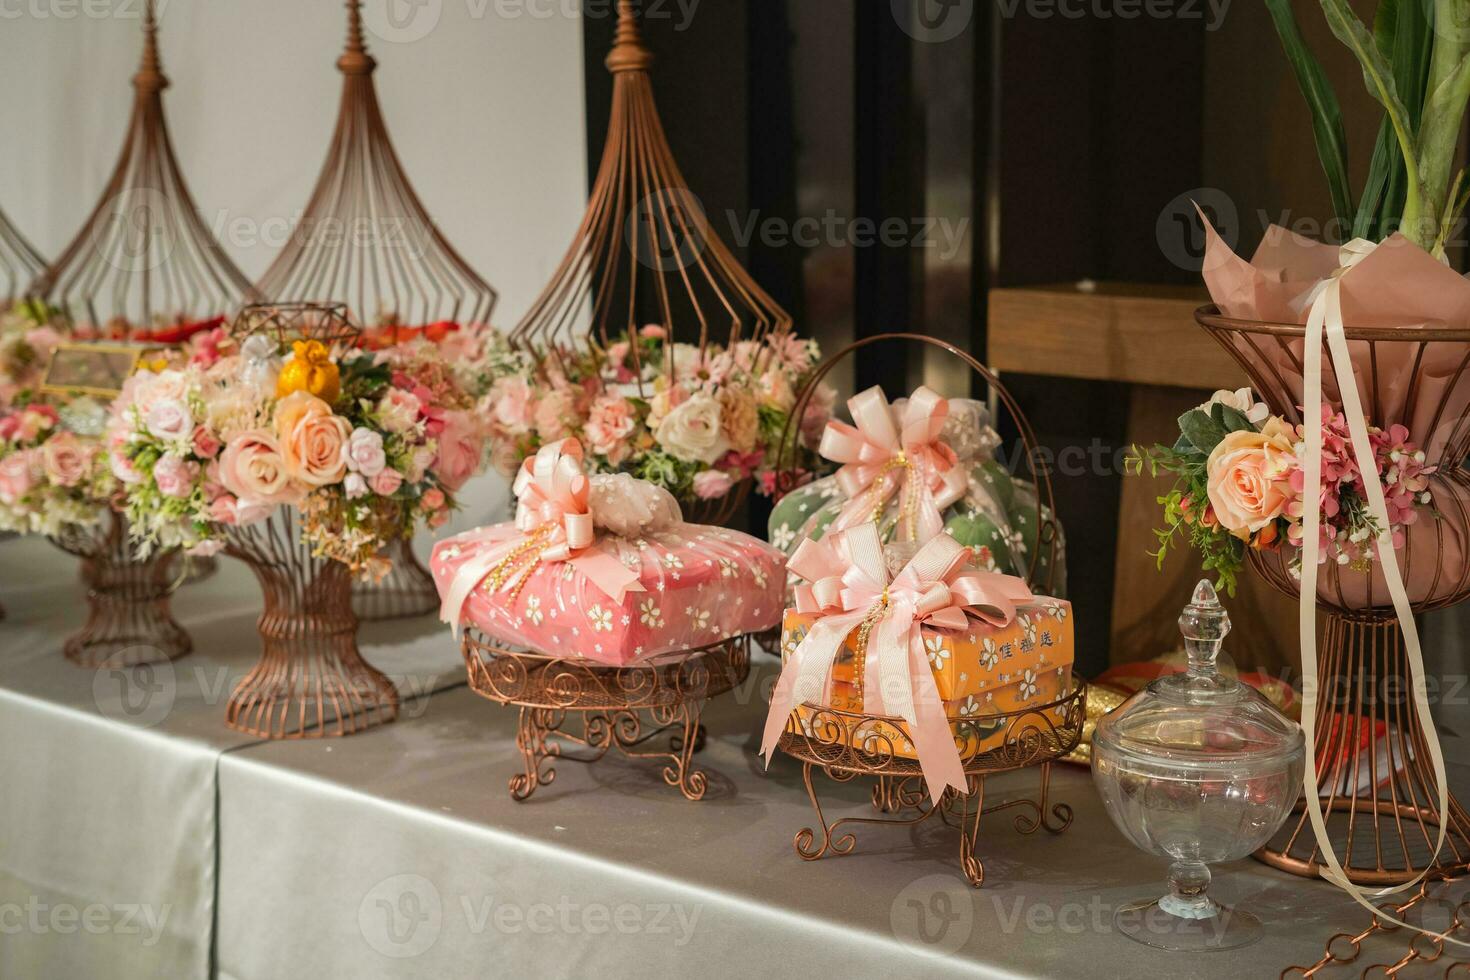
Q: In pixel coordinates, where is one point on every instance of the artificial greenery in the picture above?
(1416, 63)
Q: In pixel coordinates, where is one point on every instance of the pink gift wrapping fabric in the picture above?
(701, 585)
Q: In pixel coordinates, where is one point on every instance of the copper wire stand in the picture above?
(20, 263)
(1375, 784)
(400, 595)
(1438, 905)
(311, 681)
(129, 621)
(391, 261)
(144, 252)
(846, 745)
(622, 708)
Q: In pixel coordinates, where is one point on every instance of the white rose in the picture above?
(1242, 400)
(169, 419)
(691, 431)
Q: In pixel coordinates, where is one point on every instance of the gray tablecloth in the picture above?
(407, 858)
(140, 838)
(107, 778)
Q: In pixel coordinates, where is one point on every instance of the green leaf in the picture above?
(1233, 420)
(1379, 77)
(1203, 432)
(1327, 127)
(1404, 33)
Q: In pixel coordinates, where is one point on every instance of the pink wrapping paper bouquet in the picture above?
(847, 585)
(604, 568)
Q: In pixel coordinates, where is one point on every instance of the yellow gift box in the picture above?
(995, 665)
(981, 675)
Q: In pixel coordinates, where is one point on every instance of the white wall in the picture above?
(484, 101)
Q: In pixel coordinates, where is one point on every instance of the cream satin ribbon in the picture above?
(553, 523)
(877, 446)
(1326, 317)
(847, 584)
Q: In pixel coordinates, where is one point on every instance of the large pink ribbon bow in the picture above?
(553, 523)
(882, 455)
(847, 584)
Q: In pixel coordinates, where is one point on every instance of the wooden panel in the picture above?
(1112, 332)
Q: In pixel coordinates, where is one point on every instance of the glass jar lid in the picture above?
(1201, 718)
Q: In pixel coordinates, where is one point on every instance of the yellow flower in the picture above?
(310, 370)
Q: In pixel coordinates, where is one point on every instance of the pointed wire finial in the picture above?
(628, 51)
(150, 76)
(355, 60)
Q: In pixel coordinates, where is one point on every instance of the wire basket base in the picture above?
(846, 745)
(630, 710)
(407, 592)
(319, 687)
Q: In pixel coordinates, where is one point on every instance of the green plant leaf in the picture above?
(1403, 30)
(1233, 420)
(1379, 77)
(1327, 127)
(1203, 432)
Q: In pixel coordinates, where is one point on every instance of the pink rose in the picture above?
(386, 483)
(652, 331)
(433, 499)
(555, 414)
(169, 419)
(206, 446)
(18, 475)
(398, 410)
(711, 484)
(311, 439)
(364, 453)
(123, 468)
(66, 460)
(512, 405)
(609, 426)
(175, 476)
(254, 470)
(222, 509)
(1249, 477)
(461, 449)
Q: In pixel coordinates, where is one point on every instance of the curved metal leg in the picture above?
(533, 733)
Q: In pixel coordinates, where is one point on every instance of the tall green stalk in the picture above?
(1416, 63)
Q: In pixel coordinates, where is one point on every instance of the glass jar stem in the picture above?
(1188, 882)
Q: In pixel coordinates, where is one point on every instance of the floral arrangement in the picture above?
(1240, 484)
(695, 421)
(28, 335)
(365, 444)
(1416, 64)
(51, 476)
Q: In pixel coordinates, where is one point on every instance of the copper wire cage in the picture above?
(144, 261)
(311, 680)
(366, 240)
(621, 708)
(846, 744)
(20, 263)
(645, 252)
(129, 622)
(1376, 786)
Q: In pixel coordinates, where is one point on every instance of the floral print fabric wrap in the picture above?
(701, 585)
(997, 516)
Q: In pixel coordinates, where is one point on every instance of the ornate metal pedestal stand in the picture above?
(622, 708)
(845, 745)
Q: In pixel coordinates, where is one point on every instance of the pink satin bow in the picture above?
(552, 493)
(881, 455)
(846, 578)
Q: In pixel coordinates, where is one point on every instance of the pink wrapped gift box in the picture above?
(701, 585)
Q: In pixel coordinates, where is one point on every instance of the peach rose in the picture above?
(461, 448)
(740, 418)
(311, 439)
(1249, 477)
(66, 460)
(512, 405)
(609, 425)
(253, 469)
